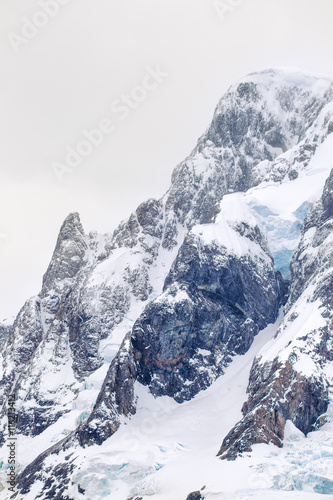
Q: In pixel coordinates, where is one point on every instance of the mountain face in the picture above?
(290, 378)
(184, 286)
(4, 334)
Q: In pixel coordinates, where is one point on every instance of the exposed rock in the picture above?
(195, 300)
(281, 395)
(116, 398)
(69, 256)
(213, 305)
(291, 383)
(56, 485)
(5, 332)
(195, 495)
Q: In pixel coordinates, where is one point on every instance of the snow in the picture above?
(305, 365)
(29, 448)
(291, 433)
(304, 463)
(7, 321)
(281, 207)
(224, 231)
(167, 449)
(106, 269)
(160, 269)
(179, 296)
(278, 208)
(292, 76)
(109, 347)
(306, 318)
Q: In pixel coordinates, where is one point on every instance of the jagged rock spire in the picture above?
(69, 254)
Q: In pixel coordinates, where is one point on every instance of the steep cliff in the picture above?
(184, 286)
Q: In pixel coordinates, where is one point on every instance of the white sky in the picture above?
(65, 78)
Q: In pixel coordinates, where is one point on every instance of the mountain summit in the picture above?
(202, 326)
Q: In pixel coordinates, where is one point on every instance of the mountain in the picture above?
(231, 268)
(291, 377)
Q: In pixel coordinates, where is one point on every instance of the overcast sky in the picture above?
(68, 67)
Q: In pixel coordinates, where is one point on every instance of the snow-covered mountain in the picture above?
(205, 318)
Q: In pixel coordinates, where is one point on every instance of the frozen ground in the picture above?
(167, 449)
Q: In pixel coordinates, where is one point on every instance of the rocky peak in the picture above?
(260, 117)
(69, 256)
(219, 290)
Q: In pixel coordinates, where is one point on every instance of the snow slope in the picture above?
(262, 163)
(167, 450)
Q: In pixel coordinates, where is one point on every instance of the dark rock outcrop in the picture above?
(115, 399)
(284, 395)
(194, 301)
(69, 256)
(213, 305)
(195, 495)
(92, 280)
(214, 302)
(291, 383)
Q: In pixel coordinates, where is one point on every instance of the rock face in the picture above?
(216, 299)
(38, 346)
(186, 283)
(69, 256)
(5, 331)
(115, 399)
(246, 135)
(207, 313)
(195, 495)
(288, 381)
